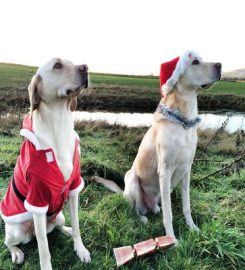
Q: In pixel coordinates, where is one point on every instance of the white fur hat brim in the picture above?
(184, 61)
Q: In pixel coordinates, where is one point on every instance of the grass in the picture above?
(107, 220)
(150, 82)
(12, 75)
(15, 75)
(223, 87)
(116, 93)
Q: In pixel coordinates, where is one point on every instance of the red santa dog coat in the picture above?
(37, 185)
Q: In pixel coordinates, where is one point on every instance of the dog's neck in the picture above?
(53, 124)
(54, 128)
(183, 100)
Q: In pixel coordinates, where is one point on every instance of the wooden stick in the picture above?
(224, 168)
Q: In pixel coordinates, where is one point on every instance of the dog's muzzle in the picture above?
(216, 76)
(218, 67)
(83, 81)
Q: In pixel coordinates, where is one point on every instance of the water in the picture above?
(236, 121)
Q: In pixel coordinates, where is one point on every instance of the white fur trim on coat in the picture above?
(75, 191)
(16, 219)
(31, 137)
(35, 209)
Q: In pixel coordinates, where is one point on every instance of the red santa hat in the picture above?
(171, 71)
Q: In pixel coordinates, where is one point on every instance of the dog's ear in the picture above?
(73, 105)
(33, 89)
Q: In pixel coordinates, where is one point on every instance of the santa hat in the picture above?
(171, 71)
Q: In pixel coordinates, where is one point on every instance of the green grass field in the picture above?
(107, 220)
(236, 88)
(12, 75)
(19, 76)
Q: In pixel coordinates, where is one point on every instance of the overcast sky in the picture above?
(122, 36)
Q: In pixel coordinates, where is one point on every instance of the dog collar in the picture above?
(176, 117)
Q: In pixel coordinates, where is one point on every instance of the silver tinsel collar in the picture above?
(176, 117)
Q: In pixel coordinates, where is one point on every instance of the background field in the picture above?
(12, 75)
(117, 92)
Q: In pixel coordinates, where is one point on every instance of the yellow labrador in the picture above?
(48, 169)
(167, 150)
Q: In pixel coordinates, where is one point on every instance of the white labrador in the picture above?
(167, 150)
(53, 92)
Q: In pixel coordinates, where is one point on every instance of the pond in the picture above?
(233, 121)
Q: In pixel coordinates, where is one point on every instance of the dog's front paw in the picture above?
(82, 252)
(176, 241)
(66, 230)
(193, 226)
(46, 265)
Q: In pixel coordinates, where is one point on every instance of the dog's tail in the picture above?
(112, 186)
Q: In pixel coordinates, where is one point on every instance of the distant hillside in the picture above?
(237, 74)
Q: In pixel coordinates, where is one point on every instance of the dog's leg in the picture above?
(16, 234)
(80, 249)
(40, 224)
(165, 174)
(153, 205)
(13, 237)
(59, 223)
(133, 191)
(185, 193)
(152, 201)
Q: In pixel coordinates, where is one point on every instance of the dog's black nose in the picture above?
(83, 68)
(218, 66)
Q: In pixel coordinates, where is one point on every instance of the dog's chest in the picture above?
(186, 147)
(64, 159)
(66, 168)
(185, 153)
(63, 153)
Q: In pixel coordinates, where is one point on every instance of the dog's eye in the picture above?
(195, 62)
(57, 66)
